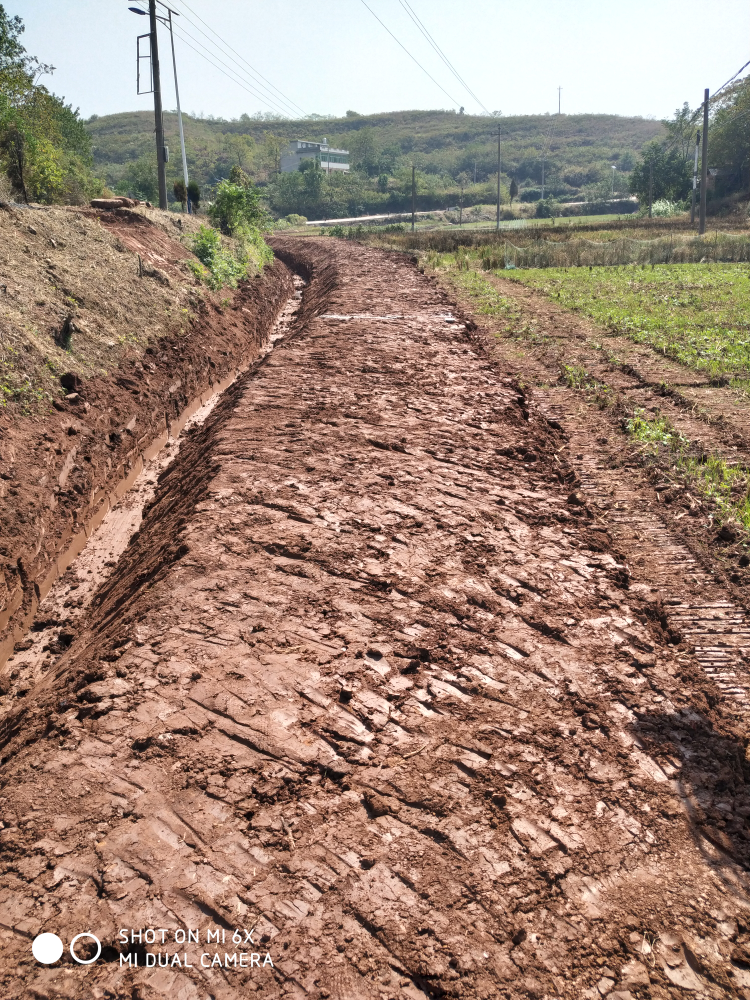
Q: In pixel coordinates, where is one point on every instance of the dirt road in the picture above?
(368, 709)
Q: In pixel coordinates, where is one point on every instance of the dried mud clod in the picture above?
(396, 712)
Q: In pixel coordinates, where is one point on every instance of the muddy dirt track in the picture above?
(370, 695)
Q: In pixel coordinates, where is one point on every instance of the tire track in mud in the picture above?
(696, 605)
(367, 686)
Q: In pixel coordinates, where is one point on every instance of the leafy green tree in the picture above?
(363, 151)
(383, 183)
(140, 178)
(44, 146)
(681, 130)
(665, 170)
(513, 190)
(728, 139)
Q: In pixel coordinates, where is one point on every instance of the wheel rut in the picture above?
(698, 608)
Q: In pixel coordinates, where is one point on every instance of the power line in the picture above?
(231, 75)
(413, 58)
(247, 84)
(415, 18)
(291, 104)
(730, 79)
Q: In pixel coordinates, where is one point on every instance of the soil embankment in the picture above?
(370, 687)
(67, 454)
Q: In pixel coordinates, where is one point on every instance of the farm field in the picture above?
(698, 314)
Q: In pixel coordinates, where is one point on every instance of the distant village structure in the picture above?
(331, 160)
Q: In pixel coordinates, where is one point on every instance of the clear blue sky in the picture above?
(642, 57)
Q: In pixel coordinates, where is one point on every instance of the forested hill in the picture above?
(575, 150)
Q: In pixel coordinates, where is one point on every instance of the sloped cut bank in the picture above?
(58, 478)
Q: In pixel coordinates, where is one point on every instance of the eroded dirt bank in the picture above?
(370, 686)
(61, 467)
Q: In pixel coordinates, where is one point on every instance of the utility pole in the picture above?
(650, 188)
(461, 209)
(695, 177)
(158, 116)
(179, 114)
(559, 100)
(704, 165)
(413, 195)
(543, 176)
(498, 178)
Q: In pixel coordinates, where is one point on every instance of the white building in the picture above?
(331, 160)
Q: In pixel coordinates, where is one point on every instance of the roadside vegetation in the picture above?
(45, 150)
(236, 212)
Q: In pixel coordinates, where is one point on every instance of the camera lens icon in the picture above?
(85, 961)
(48, 948)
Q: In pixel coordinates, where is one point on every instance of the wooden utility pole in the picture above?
(695, 177)
(413, 195)
(704, 165)
(498, 178)
(158, 115)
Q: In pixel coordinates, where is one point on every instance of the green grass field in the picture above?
(698, 314)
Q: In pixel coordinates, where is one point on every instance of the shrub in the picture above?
(220, 266)
(296, 220)
(236, 206)
(194, 193)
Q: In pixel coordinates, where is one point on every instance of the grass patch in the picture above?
(711, 476)
(697, 314)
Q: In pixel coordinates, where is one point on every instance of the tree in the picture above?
(180, 193)
(728, 142)
(238, 176)
(513, 190)
(383, 183)
(363, 150)
(681, 130)
(44, 146)
(194, 193)
(661, 174)
(140, 178)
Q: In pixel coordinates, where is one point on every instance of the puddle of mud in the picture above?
(60, 613)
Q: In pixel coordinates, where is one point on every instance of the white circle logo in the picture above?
(47, 948)
(86, 961)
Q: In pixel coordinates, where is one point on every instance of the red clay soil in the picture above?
(58, 471)
(139, 235)
(368, 708)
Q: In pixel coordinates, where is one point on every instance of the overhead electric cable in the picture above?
(231, 75)
(415, 18)
(181, 32)
(731, 79)
(413, 58)
(292, 104)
